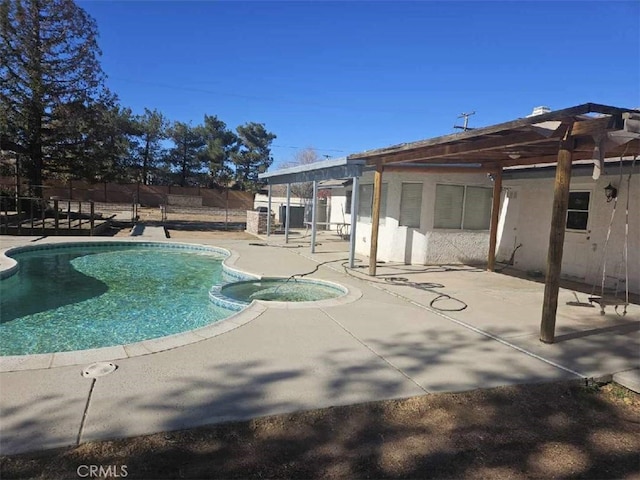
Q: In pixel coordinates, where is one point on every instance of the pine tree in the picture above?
(254, 154)
(221, 144)
(48, 63)
(153, 129)
(187, 155)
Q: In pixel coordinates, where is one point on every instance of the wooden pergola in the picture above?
(589, 131)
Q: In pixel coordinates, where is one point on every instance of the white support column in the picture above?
(288, 214)
(269, 212)
(354, 221)
(314, 205)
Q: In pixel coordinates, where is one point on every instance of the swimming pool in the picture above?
(89, 295)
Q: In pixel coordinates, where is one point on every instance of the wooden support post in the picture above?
(495, 215)
(556, 240)
(375, 218)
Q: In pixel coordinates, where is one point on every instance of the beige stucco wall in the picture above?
(527, 216)
(338, 207)
(423, 245)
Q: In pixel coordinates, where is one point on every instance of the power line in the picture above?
(259, 98)
(314, 148)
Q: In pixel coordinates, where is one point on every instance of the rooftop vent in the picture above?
(539, 110)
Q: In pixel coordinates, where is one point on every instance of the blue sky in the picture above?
(343, 77)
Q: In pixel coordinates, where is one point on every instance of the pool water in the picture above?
(281, 290)
(83, 297)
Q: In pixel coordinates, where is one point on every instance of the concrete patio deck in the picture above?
(389, 343)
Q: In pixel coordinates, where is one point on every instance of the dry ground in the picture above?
(188, 226)
(558, 430)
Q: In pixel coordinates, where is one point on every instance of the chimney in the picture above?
(539, 111)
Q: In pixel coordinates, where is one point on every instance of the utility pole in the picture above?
(465, 126)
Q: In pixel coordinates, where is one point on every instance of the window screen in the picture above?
(477, 208)
(347, 206)
(463, 207)
(383, 204)
(448, 208)
(365, 203)
(410, 205)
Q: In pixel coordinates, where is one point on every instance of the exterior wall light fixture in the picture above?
(611, 192)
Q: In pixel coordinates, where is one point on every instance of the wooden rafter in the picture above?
(524, 141)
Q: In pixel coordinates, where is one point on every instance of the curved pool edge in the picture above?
(349, 294)
(8, 266)
(40, 361)
(14, 363)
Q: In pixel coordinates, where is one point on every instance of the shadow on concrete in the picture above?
(627, 327)
(535, 431)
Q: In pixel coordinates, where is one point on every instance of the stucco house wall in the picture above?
(424, 244)
(526, 215)
(524, 219)
(338, 206)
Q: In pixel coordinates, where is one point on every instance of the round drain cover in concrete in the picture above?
(99, 369)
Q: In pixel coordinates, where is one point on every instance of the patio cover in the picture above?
(315, 172)
(585, 132)
(326, 170)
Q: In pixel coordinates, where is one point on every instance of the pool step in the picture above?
(145, 231)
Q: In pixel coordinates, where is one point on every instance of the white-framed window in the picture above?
(365, 203)
(410, 205)
(578, 210)
(462, 207)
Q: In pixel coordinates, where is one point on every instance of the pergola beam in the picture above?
(436, 169)
(540, 132)
(458, 149)
(568, 115)
(518, 142)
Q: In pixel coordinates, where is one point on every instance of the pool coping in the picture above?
(13, 363)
